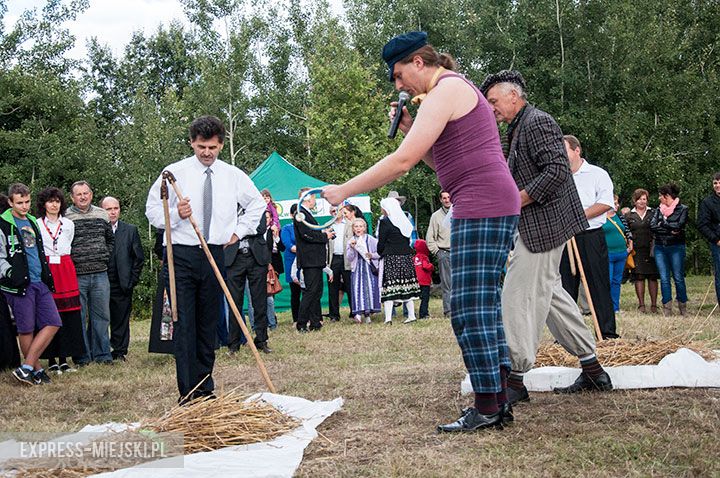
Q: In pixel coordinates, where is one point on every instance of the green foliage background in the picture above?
(636, 81)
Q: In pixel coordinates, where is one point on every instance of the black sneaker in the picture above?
(65, 368)
(41, 378)
(55, 368)
(23, 376)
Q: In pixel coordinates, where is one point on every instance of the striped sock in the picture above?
(501, 397)
(486, 403)
(591, 366)
(515, 380)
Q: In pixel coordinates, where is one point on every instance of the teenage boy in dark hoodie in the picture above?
(26, 283)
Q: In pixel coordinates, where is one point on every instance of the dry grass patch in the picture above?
(398, 383)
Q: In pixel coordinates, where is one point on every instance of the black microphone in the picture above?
(402, 99)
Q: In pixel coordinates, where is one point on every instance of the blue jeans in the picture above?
(670, 262)
(617, 266)
(272, 321)
(716, 268)
(95, 314)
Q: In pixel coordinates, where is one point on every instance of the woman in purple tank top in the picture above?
(454, 132)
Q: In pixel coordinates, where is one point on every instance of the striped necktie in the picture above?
(207, 203)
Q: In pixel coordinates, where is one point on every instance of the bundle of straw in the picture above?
(207, 424)
(81, 466)
(228, 420)
(622, 352)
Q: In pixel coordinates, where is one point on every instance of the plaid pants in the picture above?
(478, 253)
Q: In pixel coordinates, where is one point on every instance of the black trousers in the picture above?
(341, 281)
(594, 256)
(246, 268)
(424, 301)
(295, 294)
(310, 302)
(198, 305)
(120, 308)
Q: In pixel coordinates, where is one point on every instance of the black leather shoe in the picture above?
(264, 347)
(507, 413)
(471, 420)
(515, 396)
(584, 383)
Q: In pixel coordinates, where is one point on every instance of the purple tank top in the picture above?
(470, 164)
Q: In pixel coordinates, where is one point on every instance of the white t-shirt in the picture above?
(339, 229)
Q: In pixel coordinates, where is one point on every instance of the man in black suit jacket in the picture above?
(248, 259)
(124, 268)
(311, 259)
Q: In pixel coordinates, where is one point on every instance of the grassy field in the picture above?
(398, 383)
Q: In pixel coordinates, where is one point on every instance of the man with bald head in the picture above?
(124, 268)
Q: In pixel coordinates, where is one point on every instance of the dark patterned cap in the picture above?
(504, 76)
(400, 47)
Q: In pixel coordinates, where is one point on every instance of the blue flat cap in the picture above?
(400, 47)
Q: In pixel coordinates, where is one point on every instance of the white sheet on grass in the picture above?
(683, 368)
(277, 458)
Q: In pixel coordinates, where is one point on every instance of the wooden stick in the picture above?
(573, 246)
(571, 257)
(167, 175)
(169, 250)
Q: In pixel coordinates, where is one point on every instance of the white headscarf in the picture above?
(397, 216)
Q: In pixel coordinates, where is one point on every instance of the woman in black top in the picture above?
(397, 271)
(668, 227)
(638, 221)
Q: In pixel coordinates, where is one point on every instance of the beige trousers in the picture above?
(533, 296)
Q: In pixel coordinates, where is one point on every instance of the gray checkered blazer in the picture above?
(539, 164)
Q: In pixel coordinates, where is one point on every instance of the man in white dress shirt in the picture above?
(595, 189)
(215, 193)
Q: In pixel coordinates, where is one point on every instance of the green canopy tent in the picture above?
(284, 181)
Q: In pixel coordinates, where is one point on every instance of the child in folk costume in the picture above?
(57, 235)
(362, 254)
(397, 271)
(423, 269)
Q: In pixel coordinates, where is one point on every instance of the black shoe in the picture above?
(119, 358)
(264, 347)
(584, 382)
(41, 378)
(516, 396)
(55, 368)
(206, 394)
(303, 330)
(65, 368)
(472, 420)
(507, 413)
(23, 376)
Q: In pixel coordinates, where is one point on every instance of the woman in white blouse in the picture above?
(57, 235)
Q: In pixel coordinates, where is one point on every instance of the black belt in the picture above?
(244, 250)
(446, 250)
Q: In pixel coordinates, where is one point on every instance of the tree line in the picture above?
(635, 81)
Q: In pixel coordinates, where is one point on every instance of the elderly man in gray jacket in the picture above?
(438, 241)
(551, 214)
